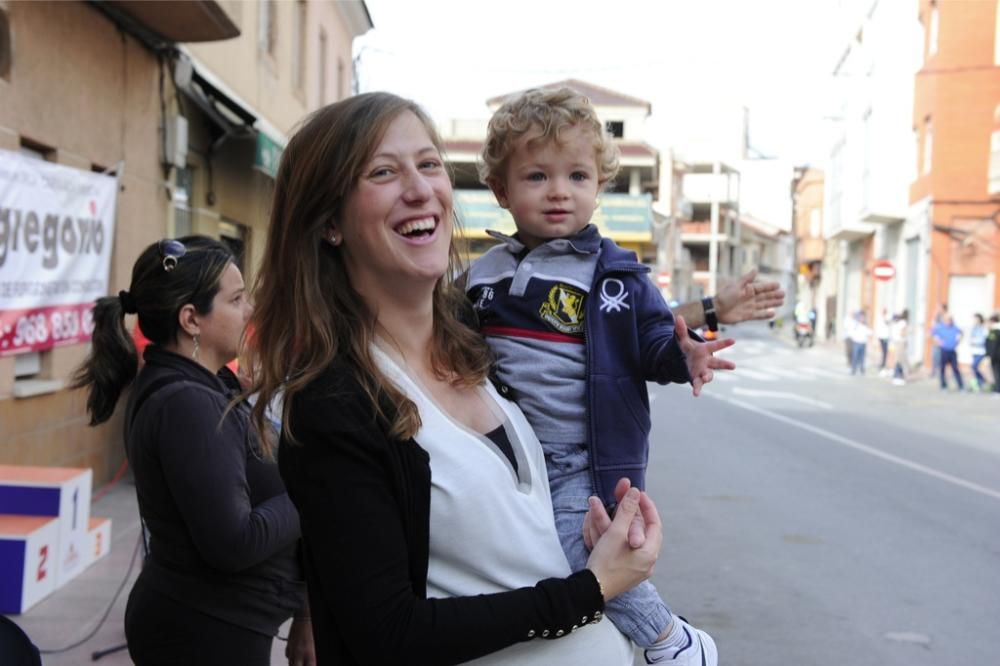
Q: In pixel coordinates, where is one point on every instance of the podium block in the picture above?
(28, 545)
(58, 492)
(98, 538)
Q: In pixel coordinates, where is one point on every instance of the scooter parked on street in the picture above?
(804, 333)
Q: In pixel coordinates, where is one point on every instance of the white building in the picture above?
(871, 166)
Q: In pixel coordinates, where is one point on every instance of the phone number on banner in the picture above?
(44, 328)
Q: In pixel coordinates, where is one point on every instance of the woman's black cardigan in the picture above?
(364, 507)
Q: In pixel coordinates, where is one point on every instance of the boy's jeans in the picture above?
(639, 613)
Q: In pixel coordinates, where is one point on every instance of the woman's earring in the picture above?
(197, 347)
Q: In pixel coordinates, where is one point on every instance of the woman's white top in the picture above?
(491, 529)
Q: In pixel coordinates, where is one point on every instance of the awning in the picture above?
(620, 217)
(228, 111)
(159, 23)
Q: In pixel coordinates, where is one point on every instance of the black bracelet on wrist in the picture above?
(711, 320)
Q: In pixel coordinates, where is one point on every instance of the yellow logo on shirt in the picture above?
(563, 309)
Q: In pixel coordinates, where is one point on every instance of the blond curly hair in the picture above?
(551, 112)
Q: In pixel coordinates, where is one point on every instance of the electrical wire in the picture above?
(106, 488)
(107, 612)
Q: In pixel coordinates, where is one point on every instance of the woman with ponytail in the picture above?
(222, 572)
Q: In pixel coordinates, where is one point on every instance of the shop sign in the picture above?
(57, 227)
(268, 155)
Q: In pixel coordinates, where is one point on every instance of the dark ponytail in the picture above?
(157, 294)
(112, 363)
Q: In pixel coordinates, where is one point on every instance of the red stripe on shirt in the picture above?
(512, 332)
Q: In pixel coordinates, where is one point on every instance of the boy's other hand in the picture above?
(700, 361)
(744, 299)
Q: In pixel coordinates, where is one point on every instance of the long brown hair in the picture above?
(306, 312)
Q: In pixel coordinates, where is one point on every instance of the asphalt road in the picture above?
(814, 519)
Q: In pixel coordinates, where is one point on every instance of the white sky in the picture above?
(686, 57)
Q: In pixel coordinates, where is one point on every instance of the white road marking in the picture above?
(755, 374)
(864, 448)
(783, 395)
(786, 373)
(823, 372)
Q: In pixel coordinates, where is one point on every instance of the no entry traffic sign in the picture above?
(884, 270)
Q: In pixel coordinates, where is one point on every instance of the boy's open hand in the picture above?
(700, 361)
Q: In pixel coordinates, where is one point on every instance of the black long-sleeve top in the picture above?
(364, 505)
(223, 533)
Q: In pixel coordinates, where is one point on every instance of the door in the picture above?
(967, 295)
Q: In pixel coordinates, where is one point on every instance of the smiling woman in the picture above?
(396, 227)
(357, 324)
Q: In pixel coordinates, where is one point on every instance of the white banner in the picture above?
(57, 227)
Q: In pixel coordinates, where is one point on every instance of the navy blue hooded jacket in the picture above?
(629, 338)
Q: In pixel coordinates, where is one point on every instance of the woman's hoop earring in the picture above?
(197, 347)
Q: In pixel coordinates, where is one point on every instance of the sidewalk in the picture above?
(835, 348)
(954, 410)
(73, 611)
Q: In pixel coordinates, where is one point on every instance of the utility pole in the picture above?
(713, 235)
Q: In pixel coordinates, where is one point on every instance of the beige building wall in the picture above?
(267, 80)
(88, 93)
(301, 65)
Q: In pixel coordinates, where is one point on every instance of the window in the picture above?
(182, 199)
(932, 30)
(234, 236)
(993, 175)
(615, 128)
(322, 67)
(341, 80)
(866, 168)
(996, 38)
(267, 29)
(928, 144)
(299, 64)
(27, 366)
(916, 154)
(835, 186)
(5, 45)
(815, 222)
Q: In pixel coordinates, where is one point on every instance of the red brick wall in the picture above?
(959, 88)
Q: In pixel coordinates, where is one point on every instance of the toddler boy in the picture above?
(578, 328)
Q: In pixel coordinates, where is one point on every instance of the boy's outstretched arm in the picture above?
(700, 360)
(737, 300)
